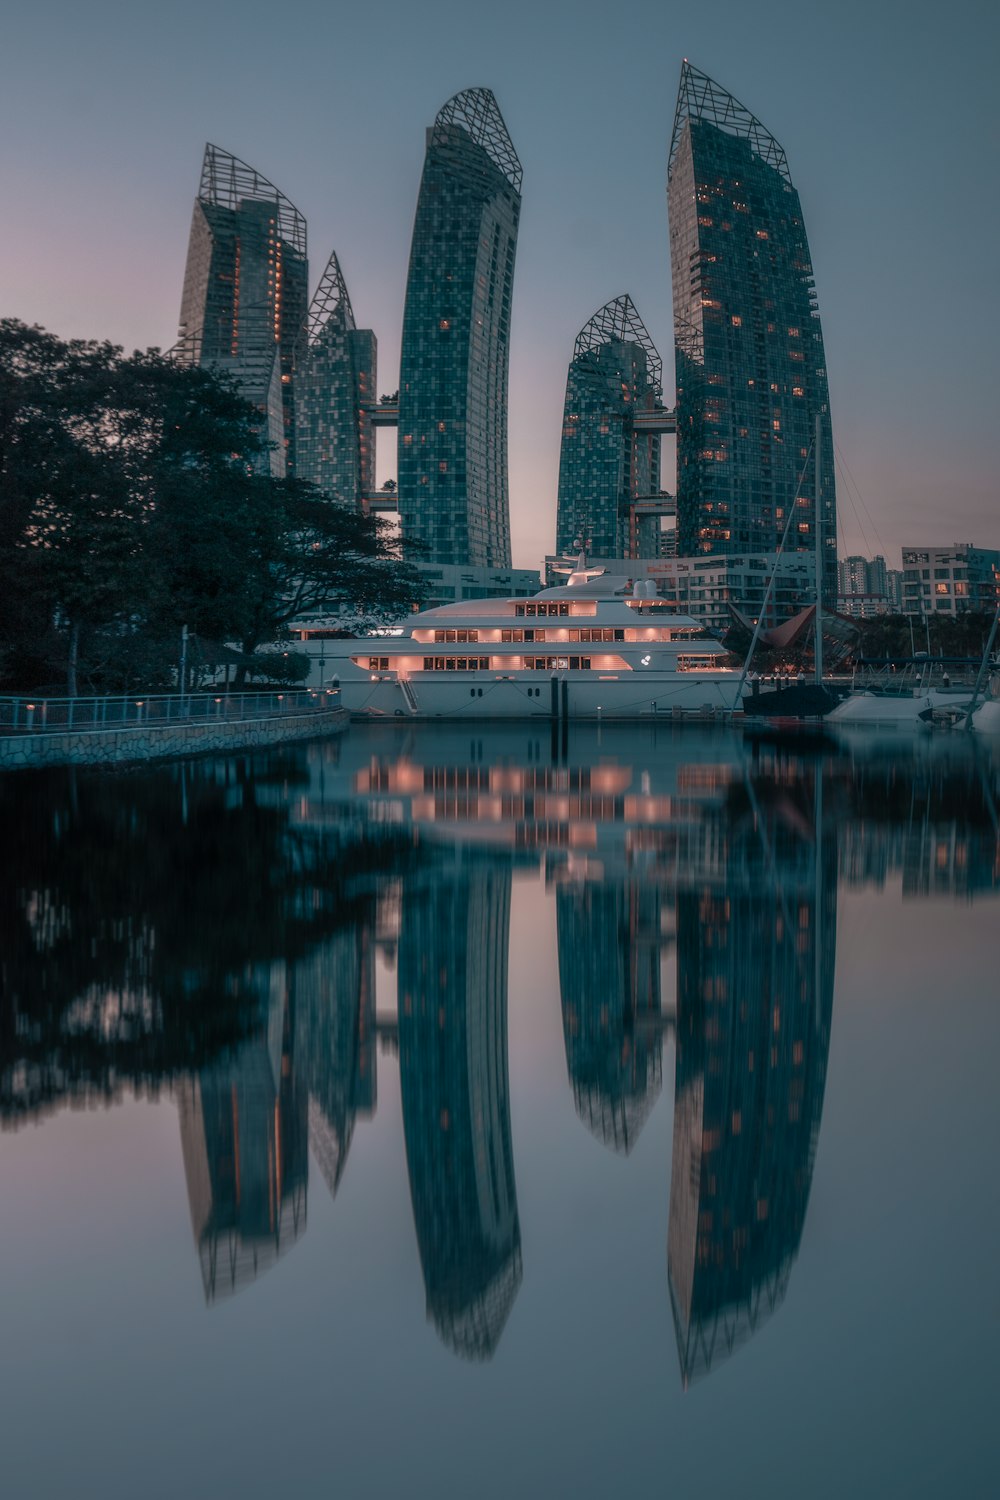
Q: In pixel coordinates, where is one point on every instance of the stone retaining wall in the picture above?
(121, 746)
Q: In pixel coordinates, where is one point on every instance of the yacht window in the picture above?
(545, 609)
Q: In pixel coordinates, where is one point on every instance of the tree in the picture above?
(134, 502)
(304, 554)
(48, 489)
(88, 438)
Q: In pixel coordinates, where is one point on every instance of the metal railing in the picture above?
(137, 711)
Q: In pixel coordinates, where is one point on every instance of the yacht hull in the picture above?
(630, 695)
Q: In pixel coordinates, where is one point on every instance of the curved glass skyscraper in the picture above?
(246, 293)
(453, 498)
(751, 373)
(605, 462)
(334, 384)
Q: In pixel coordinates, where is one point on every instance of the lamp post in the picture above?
(183, 672)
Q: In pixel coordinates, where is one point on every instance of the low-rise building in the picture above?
(950, 580)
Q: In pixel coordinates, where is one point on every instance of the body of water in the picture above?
(456, 1112)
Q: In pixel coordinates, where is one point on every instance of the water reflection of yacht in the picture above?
(597, 647)
(610, 793)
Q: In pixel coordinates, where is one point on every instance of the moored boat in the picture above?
(597, 647)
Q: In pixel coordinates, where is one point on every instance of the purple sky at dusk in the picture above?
(887, 111)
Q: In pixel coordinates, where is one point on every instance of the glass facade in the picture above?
(453, 498)
(334, 385)
(751, 372)
(605, 464)
(245, 295)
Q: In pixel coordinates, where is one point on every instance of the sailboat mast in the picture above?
(818, 532)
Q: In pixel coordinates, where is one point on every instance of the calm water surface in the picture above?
(461, 1113)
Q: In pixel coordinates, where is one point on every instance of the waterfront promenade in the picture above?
(112, 731)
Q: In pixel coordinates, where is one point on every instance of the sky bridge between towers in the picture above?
(385, 502)
(384, 414)
(660, 419)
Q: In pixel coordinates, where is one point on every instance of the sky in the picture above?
(887, 109)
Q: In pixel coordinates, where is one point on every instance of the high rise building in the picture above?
(243, 309)
(453, 498)
(334, 385)
(606, 462)
(751, 372)
(863, 587)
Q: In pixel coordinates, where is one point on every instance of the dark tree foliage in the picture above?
(134, 499)
(899, 636)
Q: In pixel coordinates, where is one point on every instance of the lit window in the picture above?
(736, 320)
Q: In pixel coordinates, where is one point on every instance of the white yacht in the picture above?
(986, 718)
(597, 647)
(917, 708)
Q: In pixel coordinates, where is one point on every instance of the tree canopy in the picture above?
(135, 498)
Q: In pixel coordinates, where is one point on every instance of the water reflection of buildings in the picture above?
(609, 938)
(924, 815)
(755, 965)
(244, 1139)
(247, 1121)
(335, 1043)
(401, 849)
(452, 991)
